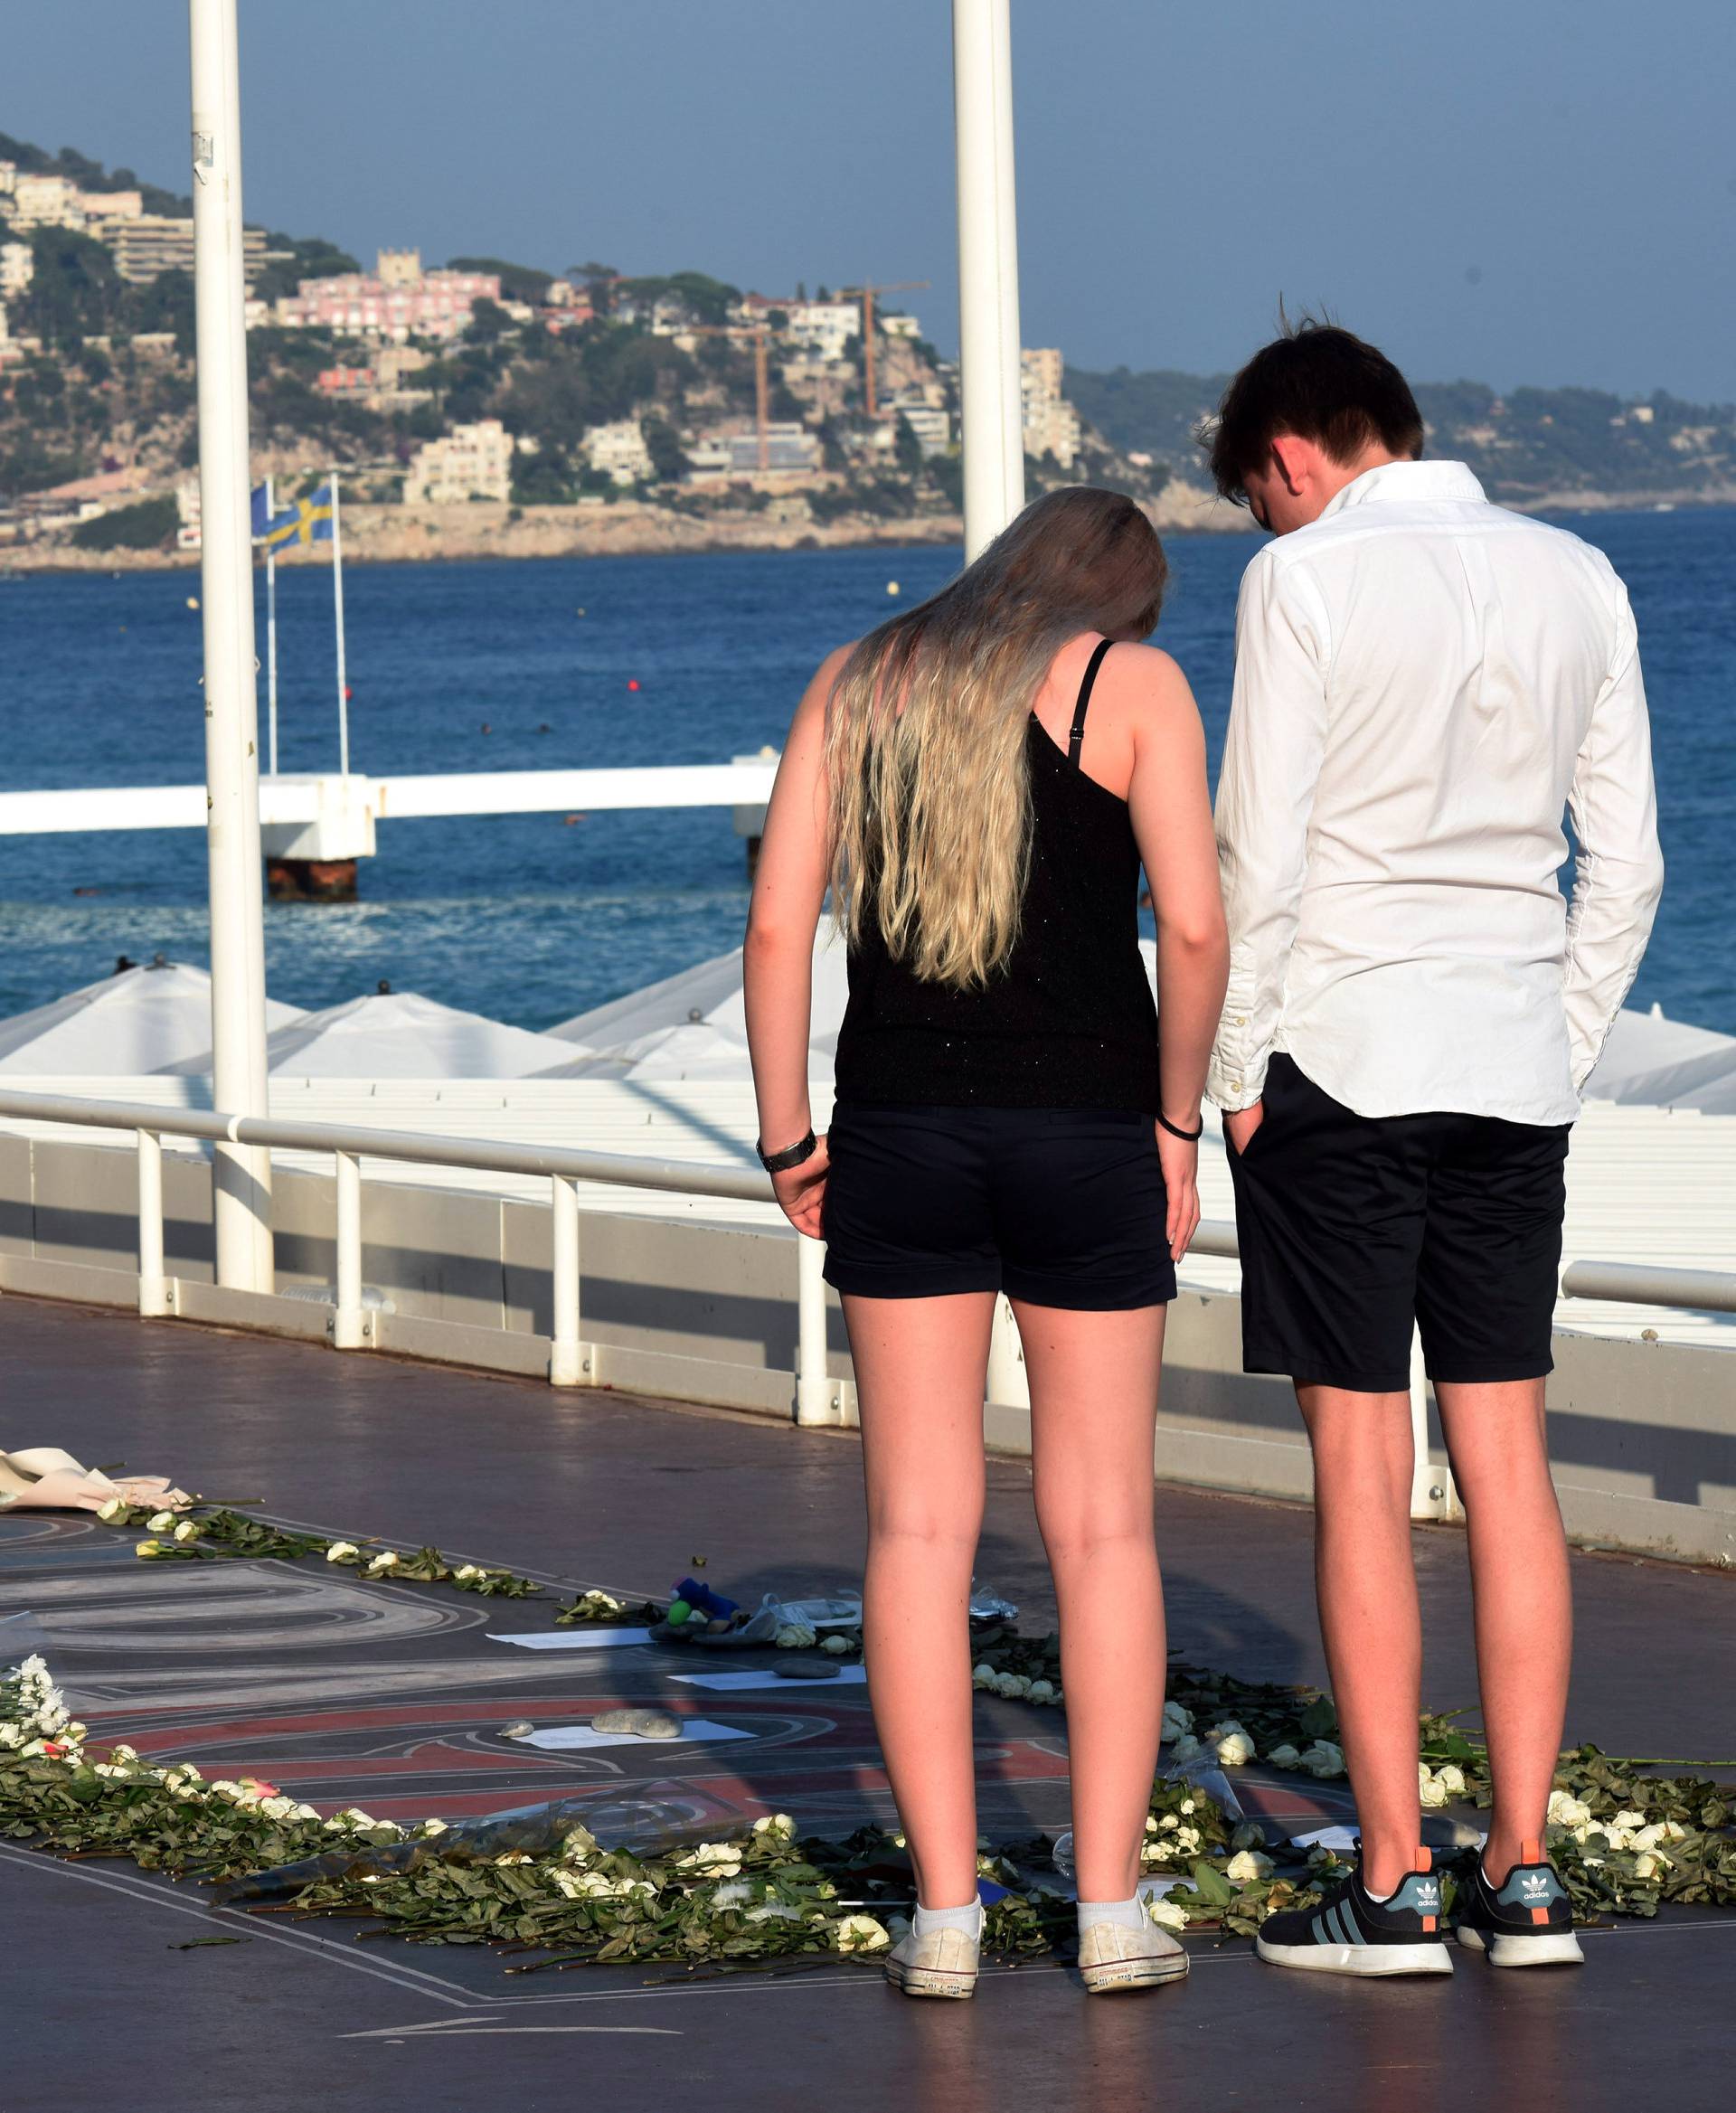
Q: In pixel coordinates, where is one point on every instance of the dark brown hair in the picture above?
(1321, 383)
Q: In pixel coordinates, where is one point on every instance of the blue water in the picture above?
(531, 918)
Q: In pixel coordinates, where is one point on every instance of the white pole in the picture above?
(337, 610)
(153, 1292)
(563, 1262)
(992, 434)
(347, 1330)
(813, 1403)
(241, 1177)
(271, 622)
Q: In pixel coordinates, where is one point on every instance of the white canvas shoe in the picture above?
(943, 1962)
(1112, 1957)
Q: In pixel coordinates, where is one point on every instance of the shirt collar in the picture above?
(1406, 480)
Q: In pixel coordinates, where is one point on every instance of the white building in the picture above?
(1051, 423)
(17, 264)
(824, 328)
(618, 451)
(931, 426)
(471, 462)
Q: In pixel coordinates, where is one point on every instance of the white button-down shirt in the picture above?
(1424, 682)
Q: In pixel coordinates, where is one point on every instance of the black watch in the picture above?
(791, 1156)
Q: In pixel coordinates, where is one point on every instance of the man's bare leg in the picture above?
(1366, 1583)
(1519, 1580)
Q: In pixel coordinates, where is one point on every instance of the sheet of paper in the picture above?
(564, 1738)
(575, 1639)
(768, 1676)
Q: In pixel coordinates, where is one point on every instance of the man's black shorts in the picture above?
(1350, 1226)
(1056, 1206)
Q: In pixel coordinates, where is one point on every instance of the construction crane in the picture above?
(865, 294)
(761, 382)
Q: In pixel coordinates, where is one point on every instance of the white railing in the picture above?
(569, 1363)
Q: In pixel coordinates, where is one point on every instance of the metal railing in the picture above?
(1624, 1283)
(564, 1169)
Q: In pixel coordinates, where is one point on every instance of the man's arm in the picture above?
(1271, 766)
(1618, 874)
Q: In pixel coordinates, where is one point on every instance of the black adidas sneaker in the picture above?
(1349, 1933)
(1527, 1921)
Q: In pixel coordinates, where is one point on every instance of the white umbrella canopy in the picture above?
(1650, 1060)
(400, 1034)
(139, 1020)
(695, 1025)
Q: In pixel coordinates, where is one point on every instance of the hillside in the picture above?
(1529, 447)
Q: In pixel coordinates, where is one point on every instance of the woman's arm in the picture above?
(1170, 809)
(777, 955)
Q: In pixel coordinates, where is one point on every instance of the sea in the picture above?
(535, 664)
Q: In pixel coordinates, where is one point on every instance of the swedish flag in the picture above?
(304, 521)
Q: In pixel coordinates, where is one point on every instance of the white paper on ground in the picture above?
(574, 1639)
(848, 1676)
(563, 1737)
(1342, 1839)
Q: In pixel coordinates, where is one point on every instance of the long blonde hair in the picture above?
(925, 725)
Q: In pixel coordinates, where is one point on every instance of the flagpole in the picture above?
(337, 608)
(271, 621)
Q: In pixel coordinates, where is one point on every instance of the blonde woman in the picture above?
(978, 782)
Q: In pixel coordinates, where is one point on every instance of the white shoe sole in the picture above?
(1116, 1975)
(1559, 1947)
(1369, 1961)
(931, 1981)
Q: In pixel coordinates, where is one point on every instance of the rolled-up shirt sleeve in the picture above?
(1618, 875)
(1271, 766)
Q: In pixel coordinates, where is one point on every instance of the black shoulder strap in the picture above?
(1076, 738)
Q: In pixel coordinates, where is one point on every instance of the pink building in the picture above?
(357, 305)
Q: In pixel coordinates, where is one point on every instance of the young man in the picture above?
(1423, 683)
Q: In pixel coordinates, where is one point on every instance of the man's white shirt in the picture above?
(1424, 682)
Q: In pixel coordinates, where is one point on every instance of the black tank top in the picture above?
(1070, 1021)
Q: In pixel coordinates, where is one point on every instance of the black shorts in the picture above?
(1353, 1226)
(1062, 1207)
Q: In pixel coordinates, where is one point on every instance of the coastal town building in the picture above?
(931, 425)
(17, 264)
(618, 451)
(397, 300)
(147, 244)
(1051, 423)
(37, 199)
(471, 462)
(824, 328)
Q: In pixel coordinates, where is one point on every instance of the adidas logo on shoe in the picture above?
(1427, 1896)
(1535, 1886)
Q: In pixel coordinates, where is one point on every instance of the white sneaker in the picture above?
(1112, 1957)
(942, 1963)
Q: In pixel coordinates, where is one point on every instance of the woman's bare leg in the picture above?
(1093, 1415)
(920, 1366)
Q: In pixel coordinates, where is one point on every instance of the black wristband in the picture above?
(791, 1156)
(1187, 1136)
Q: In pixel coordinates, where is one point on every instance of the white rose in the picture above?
(1650, 1863)
(1247, 1866)
(1324, 1759)
(434, 1826)
(1187, 1840)
(861, 1933)
(341, 1552)
(794, 1636)
(1451, 1779)
(1011, 1684)
(469, 1570)
(1167, 1915)
(778, 1826)
(386, 1559)
(1629, 1821)
(160, 1521)
(1567, 1812)
(1168, 1822)
(1177, 1720)
(1284, 1757)
(1042, 1691)
(1648, 1837)
(186, 1531)
(1432, 1790)
(148, 1551)
(837, 1645)
(11, 1736)
(279, 1807)
(1186, 1748)
(116, 1508)
(982, 1676)
(1236, 1751)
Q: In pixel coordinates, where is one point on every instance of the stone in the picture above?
(641, 1723)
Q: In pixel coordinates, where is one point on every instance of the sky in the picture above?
(1540, 192)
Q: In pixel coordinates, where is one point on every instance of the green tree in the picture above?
(488, 322)
(144, 527)
(518, 282)
(663, 444)
(907, 450)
